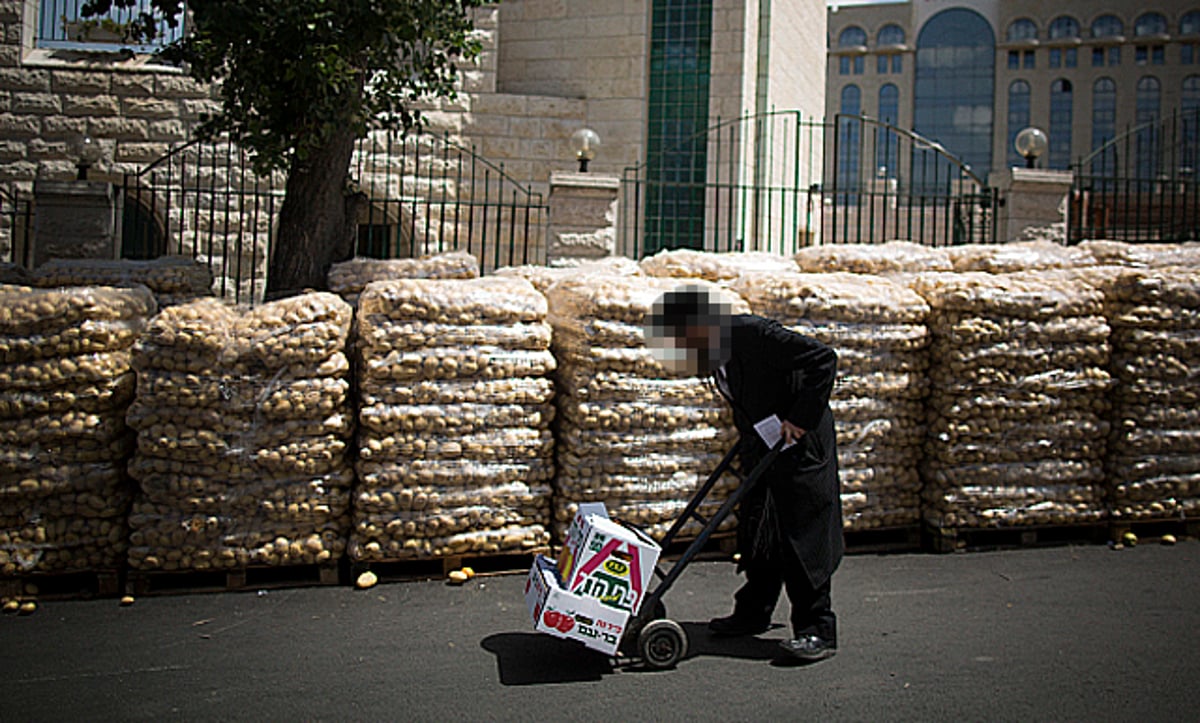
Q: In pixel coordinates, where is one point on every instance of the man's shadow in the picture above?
(536, 658)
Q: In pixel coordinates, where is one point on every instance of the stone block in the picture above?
(150, 108)
(24, 79)
(12, 125)
(81, 82)
(180, 86)
(476, 124)
(10, 56)
(64, 127)
(36, 103)
(167, 130)
(12, 150)
(195, 109)
(44, 149)
(60, 170)
(140, 153)
(22, 170)
(133, 84)
(73, 220)
(134, 129)
(500, 104)
(90, 105)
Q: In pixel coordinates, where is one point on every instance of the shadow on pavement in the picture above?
(536, 658)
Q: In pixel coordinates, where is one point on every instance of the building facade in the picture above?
(970, 74)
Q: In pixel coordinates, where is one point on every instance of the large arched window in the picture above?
(887, 159)
(1189, 107)
(1018, 117)
(1104, 124)
(849, 138)
(891, 34)
(1107, 26)
(1150, 24)
(1064, 26)
(1023, 29)
(1189, 99)
(1149, 108)
(1189, 24)
(953, 92)
(1061, 110)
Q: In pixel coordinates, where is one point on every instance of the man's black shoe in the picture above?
(734, 625)
(809, 648)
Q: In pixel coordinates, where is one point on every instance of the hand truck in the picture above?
(650, 636)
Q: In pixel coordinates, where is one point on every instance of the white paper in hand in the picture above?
(771, 431)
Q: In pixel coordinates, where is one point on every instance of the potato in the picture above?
(349, 278)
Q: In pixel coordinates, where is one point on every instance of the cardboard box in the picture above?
(607, 561)
(565, 615)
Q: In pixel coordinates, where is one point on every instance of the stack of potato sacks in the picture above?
(65, 383)
(455, 447)
(878, 330)
(1154, 452)
(243, 419)
(631, 434)
(349, 278)
(1018, 404)
(172, 279)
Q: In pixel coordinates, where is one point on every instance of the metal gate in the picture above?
(777, 181)
(1141, 185)
(16, 227)
(423, 194)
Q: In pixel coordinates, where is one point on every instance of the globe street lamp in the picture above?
(1031, 143)
(584, 143)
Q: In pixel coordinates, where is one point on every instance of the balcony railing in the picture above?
(61, 25)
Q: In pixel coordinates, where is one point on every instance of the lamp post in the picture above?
(89, 152)
(584, 143)
(1031, 143)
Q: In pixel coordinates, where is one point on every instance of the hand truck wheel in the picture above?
(662, 643)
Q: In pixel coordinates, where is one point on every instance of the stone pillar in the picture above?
(582, 223)
(74, 220)
(1034, 203)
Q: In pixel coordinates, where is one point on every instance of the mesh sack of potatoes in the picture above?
(1153, 459)
(172, 279)
(1147, 255)
(454, 419)
(1018, 256)
(243, 425)
(877, 327)
(543, 277)
(349, 278)
(715, 267)
(631, 434)
(893, 257)
(1018, 399)
(65, 383)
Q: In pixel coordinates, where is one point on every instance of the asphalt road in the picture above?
(1067, 633)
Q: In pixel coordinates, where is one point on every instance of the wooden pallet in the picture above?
(899, 538)
(74, 585)
(957, 539)
(168, 582)
(437, 568)
(1154, 529)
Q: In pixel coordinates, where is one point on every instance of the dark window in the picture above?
(1060, 124)
(1018, 117)
(1114, 55)
(1158, 55)
(1150, 24)
(1189, 106)
(844, 65)
(1097, 57)
(1190, 23)
(860, 65)
(891, 34)
(1063, 26)
(1055, 58)
(1149, 107)
(1104, 124)
(887, 145)
(1028, 59)
(852, 37)
(849, 139)
(1014, 60)
(1141, 54)
(1187, 54)
(897, 63)
(1071, 57)
(1023, 29)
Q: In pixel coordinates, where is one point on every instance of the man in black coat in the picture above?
(790, 525)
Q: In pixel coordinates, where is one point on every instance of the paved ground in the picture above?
(1069, 633)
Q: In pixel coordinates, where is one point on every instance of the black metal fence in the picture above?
(777, 181)
(1141, 186)
(424, 194)
(16, 227)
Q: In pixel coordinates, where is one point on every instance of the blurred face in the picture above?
(688, 331)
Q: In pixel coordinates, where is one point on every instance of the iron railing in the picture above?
(777, 181)
(424, 194)
(61, 25)
(1141, 186)
(16, 227)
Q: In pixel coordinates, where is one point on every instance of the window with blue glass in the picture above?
(851, 37)
(1146, 139)
(1187, 54)
(1150, 24)
(849, 142)
(1189, 24)
(1018, 118)
(1097, 57)
(1189, 121)
(1064, 26)
(890, 34)
(1055, 58)
(61, 24)
(1022, 29)
(1104, 124)
(1114, 55)
(676, 141)
(954, 85)
(1027, 59)
(887, 145)
(897, 63)
(1107, 26)
(882, 65)
(1014, 60)
(1061, 113)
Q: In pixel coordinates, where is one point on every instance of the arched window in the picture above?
(1104, 124)
(852, 37)
(891, 34)
(1018, 117)
(887, 157)
(1149, 108)
(1061, 110)
(849, 139)
(1150, 24)
(1023, 29)
(1064, 26)
(1189, 99)
(1189, 24)
(954, 88)
(1107, 26)
(1189, 107)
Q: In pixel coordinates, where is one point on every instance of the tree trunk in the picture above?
(317, 221)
